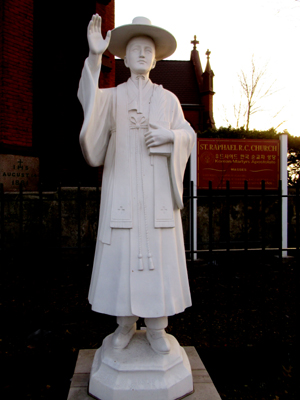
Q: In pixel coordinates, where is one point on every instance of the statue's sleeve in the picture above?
(97, 109)
(184, 140)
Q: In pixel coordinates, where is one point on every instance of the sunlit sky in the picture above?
(233, 31)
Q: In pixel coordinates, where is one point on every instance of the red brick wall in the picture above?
(193, 118)
(16, 54)
(107, 14)
(207, 101)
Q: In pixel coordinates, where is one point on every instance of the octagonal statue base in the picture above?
(137, 372)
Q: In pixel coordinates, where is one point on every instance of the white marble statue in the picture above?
(138, 132)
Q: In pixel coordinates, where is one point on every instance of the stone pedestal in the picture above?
(204, 388)
(137, 372)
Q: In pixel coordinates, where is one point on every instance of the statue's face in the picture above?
(140, 55)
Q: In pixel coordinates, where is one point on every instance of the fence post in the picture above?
(246, 214)
(210, 220)
(228, 216)
(280, 219)
(263, 217)
(284, 191)
(41, 233)
(192, 221)
(79, 218)
(297, 222)
(21, 215)
(2, 217)
(193, 178)
(59, 218)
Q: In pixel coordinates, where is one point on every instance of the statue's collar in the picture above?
(133, 94)
(133, 89)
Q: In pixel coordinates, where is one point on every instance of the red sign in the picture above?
(237, 160)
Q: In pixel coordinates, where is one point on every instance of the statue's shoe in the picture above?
(122, 336)
(158, 340)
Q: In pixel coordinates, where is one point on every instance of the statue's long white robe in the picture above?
(123, 284)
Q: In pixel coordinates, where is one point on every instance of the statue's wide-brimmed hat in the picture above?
(165, 43)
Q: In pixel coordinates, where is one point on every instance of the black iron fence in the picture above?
(227, 220)
(242, 221)
(64, 220)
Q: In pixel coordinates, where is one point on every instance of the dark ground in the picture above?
(242, 323)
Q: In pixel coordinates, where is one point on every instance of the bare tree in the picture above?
(253, 91)
(238, 112)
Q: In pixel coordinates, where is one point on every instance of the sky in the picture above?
(235, 31)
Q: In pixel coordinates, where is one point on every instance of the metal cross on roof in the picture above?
(208, 53)
(195, 42)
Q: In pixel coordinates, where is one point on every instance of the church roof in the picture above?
(177, 76)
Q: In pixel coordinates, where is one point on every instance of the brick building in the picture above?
(42, 50)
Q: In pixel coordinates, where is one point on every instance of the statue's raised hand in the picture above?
(97, 44)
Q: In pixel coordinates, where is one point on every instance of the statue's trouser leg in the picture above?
(156, 334)
(124, 332)
(156, 323)
(127, 321)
